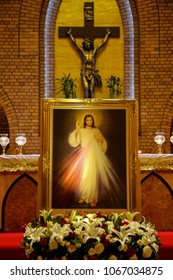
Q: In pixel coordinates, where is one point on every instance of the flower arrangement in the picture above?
(91, 236)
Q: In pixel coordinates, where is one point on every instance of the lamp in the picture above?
(159, 139)
(4, 141)
(171, 138)
(20, 141)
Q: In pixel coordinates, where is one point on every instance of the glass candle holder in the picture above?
(4, 141)
(20, 141)
(171, 138)
(159, 139)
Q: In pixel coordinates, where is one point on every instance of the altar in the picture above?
(19, 190)
(157, 189)
(20, 200)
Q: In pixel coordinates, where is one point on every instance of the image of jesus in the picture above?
(86, 173)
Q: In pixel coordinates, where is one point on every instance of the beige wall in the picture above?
(110, 60)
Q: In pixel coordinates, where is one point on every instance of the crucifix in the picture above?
(89, 32)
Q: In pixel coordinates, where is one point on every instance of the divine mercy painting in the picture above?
(89, 158)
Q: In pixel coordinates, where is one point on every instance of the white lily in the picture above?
(59, 232)
(28, 230)
(91, 216)
(72, 216)
(124, 237)
(124, 242)
(112, 239)
(92, 231)
(49, 226)
(76, 224)
(115, 217)
(134, 226)
(36, 234)
(130, 216)
(110, 226)
(79, 232)
(45, 214)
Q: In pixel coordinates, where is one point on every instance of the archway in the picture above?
(50, 20)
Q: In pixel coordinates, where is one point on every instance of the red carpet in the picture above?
(10, 246)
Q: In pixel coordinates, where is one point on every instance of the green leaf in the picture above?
(66, 85)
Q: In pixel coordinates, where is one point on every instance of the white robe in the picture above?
(96, 173)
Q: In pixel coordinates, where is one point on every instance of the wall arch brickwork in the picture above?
(28, 25)
(9, 111)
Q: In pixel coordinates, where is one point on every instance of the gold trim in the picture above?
(156, 162)
(46, 159)
(24, 163)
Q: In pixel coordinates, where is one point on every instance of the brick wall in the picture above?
(19, 56)
(155, 67)
(24, 80)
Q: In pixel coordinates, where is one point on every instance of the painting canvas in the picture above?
(89, 150)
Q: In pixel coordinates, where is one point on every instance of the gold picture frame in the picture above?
(63, 166)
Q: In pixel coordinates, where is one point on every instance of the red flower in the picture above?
(92, 257)
(124, 223)
(34, 255)
(43, 241)
(130, 251)
(44, 225)
(81, 214)
(117, 228)
(103, 226)
(72, 234)
(106, 243)
(63, 221)
(104, 235)
(99, 215)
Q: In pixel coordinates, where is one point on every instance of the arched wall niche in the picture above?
(21, 198)
(4, 128)
(9, 123)
(156, 201)
(49, 63)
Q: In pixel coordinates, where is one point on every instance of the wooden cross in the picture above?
(89, 30)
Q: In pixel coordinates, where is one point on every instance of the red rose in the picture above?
(92, 257)
(130, 251)
(72, 234)
(104, 235)
(116, 228)
(63, 221)
(81, 214)
(106, 243)
(124, 223)
(43, 241)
